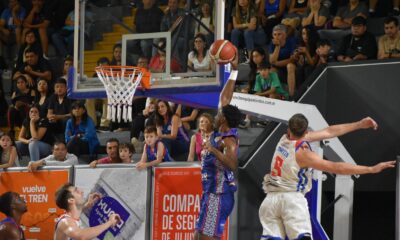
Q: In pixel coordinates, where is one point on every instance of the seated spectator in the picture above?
(245, 25)
(68, 63)
(147, 20)
(345, 14)
(8, 152)
(257, 56)
(21, 100)
(117, 53)
(206, 17)
(126, 151)
(30, 42)
(154, 152)
(80, 132)
(325, 53)
(394, 12)
(270, 12)
(389, 44)
(33, 69)
(34, 138)
(158, 61)
(141, 120)
(268, 84)
(199, 59)
(188, 116)
(316, 14)
(63, 39)
(59, 109)
(171, 131)
(297, 9)
(60, 157)
(42, 97)
(359, 45)
(38, 21)
(205, 130)
(112, 149)
(306, 54)
(11, 23)
(281, 57)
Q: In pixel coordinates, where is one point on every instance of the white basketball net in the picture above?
(120, 84)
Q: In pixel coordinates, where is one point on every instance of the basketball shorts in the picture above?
(215, 209)
(284, 214)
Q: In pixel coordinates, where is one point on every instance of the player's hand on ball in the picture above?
(114, 219)
(382, 166)
(235, 61)
(368, 123)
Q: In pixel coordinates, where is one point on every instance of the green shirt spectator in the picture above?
(269, 85)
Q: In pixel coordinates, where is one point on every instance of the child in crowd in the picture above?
(8, 152)
(126, 151)
(268, 84)
(154, 150)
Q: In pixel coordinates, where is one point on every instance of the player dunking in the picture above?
(13, 206)
(284, 211)
(70, 198)
(219, 160)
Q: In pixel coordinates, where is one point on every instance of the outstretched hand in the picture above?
(382, 166)
(93, 197)
(235, 60)
(368, 123)
(114, 219)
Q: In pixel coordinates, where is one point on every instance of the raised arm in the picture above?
(227, 92)
(192, 149)
(306, 158)
(340, 129)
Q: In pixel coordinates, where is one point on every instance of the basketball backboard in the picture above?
(111, 29)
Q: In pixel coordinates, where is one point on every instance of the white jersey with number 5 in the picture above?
(286, 175)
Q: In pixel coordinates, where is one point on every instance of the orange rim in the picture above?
(128, 71)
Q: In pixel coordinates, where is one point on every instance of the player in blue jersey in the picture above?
(13, 206)
(218, 161)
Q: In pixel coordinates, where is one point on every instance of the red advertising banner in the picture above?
(176, 203)
(38, 190)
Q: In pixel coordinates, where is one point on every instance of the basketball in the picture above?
(222, 51)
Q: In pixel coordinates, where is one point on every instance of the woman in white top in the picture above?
(199, 59)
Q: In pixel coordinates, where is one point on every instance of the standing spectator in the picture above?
(60, 157)
(63, 39)
(270, 13)
(38, 20)
(297, 9)
(80, 132)
(268, 84)
(42, 97)
(281, 57)
(11, 23)
(30, 42)
(395, 11)
(245, 24)
(112, 149)
(21, 100)
(8, 152)
(140, 121)
(359, 45)
(34, 68)
(199, 59)
(59, 109)
(346, 14)
(35, 139)
(206, 128)
(316, 14)
(325, 54)
(205, 17)
(389, 44)
(155, 151)
(171, 132)
(148, 20)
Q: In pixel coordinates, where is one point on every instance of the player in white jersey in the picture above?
(70, 198)
(284, 211)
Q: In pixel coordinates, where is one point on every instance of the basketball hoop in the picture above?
(120, 83)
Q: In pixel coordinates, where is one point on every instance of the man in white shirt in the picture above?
(60, 157)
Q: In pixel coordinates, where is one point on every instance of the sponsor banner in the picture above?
(38, 190)
(124, 191)
(176, 203)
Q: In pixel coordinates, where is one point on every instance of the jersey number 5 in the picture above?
(277, 167)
